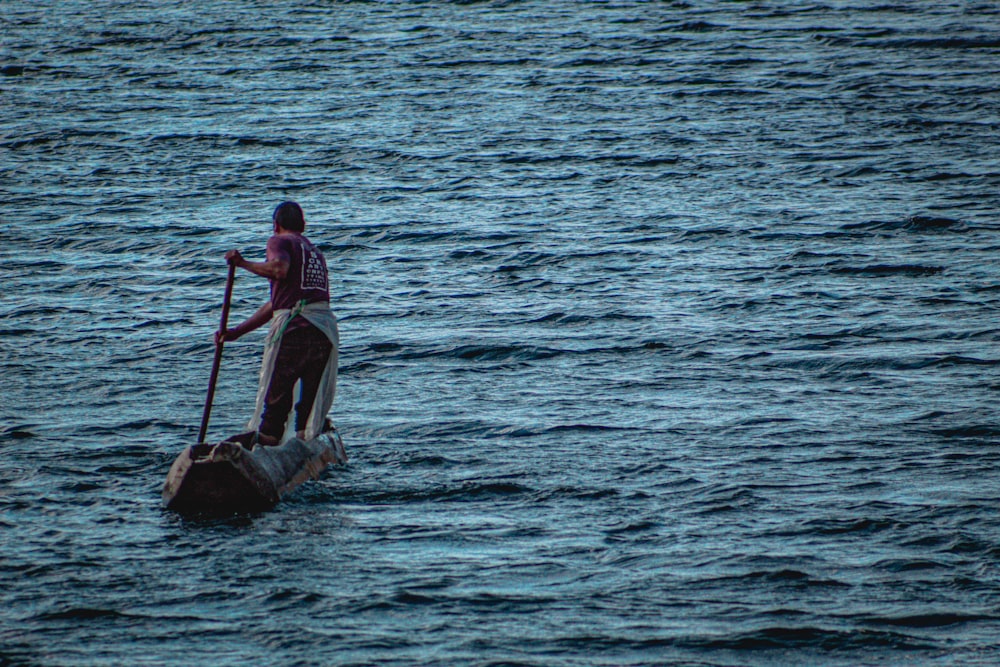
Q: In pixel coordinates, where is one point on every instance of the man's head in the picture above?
(289, 216)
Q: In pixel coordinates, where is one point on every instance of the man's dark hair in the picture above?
(289, 216)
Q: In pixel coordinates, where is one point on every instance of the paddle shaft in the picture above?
(218, 353)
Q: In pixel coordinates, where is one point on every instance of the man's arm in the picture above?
(274, 268)
(255, 321)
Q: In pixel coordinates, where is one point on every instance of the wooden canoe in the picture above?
(228, 478)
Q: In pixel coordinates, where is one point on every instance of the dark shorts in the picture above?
(302, 356)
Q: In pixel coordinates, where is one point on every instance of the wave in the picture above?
(930, 620)
(937, 43)
(560, 317)
(967, 431)
(813, 638)
(915, 223)
(502, 353)
(463, 492)
(81, 614)
(18, 432)
(888, 270)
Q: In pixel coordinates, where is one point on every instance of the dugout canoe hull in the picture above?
(227, 478)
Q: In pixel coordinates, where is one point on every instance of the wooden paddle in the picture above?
(218, 353)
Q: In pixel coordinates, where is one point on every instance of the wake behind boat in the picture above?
(228, 478)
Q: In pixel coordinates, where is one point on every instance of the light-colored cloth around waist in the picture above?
(320, 316)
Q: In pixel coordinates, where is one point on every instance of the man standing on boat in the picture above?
(301, 345)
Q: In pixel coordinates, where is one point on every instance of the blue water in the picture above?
(669, 330)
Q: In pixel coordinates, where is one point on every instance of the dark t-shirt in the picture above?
(307, 276)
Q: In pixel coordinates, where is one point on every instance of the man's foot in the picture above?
(267, 440)
(251, 438)
(245, 439)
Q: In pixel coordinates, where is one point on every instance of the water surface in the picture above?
(668, 330)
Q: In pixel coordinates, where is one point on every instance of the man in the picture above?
(302, 341)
